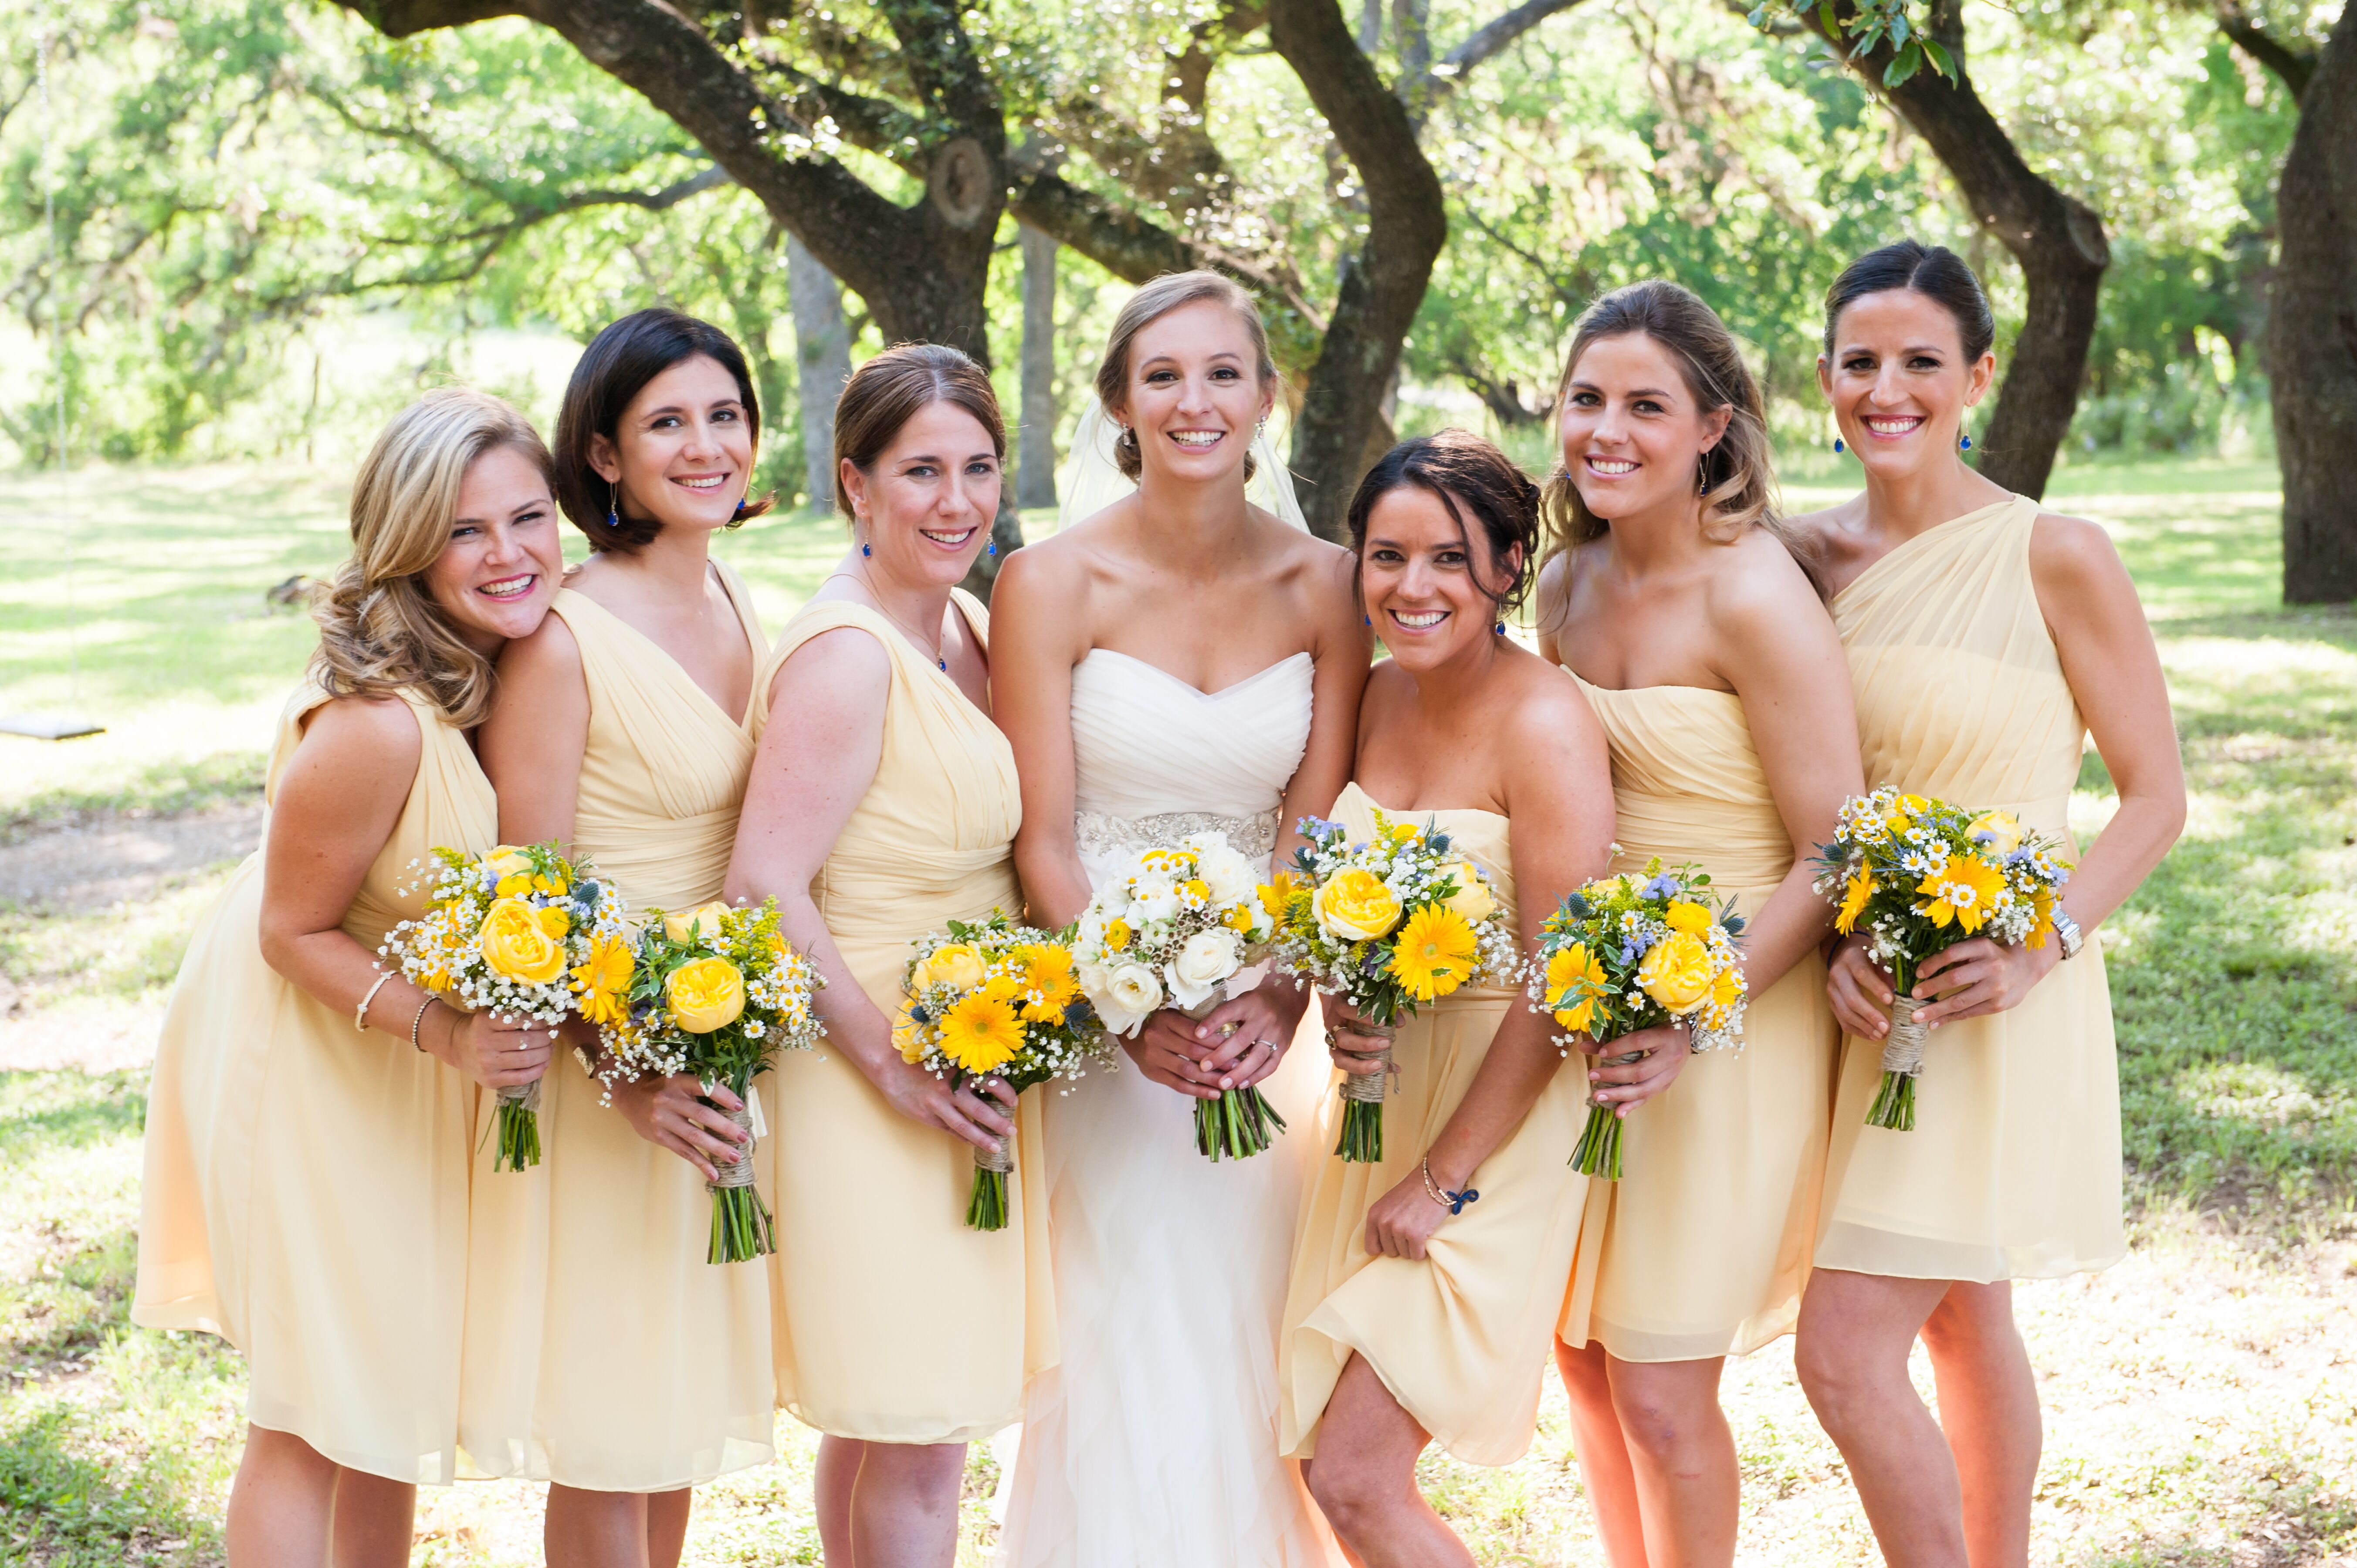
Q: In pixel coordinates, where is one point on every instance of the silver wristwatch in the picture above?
(2067, 931)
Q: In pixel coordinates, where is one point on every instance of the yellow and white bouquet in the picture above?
(716, 992)
(1387, 926)
(1625, 953)
(1919, 875)
(520, 931)
(993, 999)
(1174, 929)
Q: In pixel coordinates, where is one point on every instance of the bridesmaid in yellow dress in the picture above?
(1987, 638)
(1414, 1316)
(631, 1369)
(883, 805)
(1715, 671)
(308, 1124)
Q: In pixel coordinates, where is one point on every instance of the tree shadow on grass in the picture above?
(45, 1114)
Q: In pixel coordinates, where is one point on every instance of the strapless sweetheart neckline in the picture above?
(1429, 810)
(1228, 689)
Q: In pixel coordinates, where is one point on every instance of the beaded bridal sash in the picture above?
(1253, 837)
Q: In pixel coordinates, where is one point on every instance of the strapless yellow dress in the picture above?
(2013, 1168)
(1702, 1248)
(1462, 1338)
(305, 1195)
(604, 1352)
(894, 1322)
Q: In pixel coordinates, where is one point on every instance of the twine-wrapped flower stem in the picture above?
(1361, 1141)
(741, 1227)
(517, 1136)
(1903, 1062)
(987, 1209)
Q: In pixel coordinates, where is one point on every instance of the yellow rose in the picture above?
(1682, 916)
(909, 1037)
(1471, 901)
(514, 944)
(1356, 907)
(555, 921)
(1405, 832)
(1676, 973)
(2003, 828)
(956, 965)
(701, 924)
(705, 995)
(506, 861)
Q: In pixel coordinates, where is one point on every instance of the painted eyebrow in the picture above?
(1226, 354)
(1910, 349)
(682, 408)
(930, 457)
(537, 504)
(1634, 391)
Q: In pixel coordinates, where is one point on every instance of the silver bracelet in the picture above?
(422, 1006)
(360, 1013)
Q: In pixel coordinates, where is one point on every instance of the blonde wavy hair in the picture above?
(380, 631)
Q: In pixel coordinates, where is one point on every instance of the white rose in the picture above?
(1228, 875)
(1152, 899)
(1206, 959)
(1131, 995)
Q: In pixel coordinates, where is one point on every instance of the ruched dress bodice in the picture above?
(1702, 1248)
(864, 1267)
(2012, 1170)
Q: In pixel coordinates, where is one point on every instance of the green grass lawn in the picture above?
(2201, 1397)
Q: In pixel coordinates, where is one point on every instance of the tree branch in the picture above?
(2294, 68)
(1421, 90)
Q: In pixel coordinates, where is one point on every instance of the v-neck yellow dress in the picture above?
(304, 1194)
(2013, 1168)
(1461, 1339)
(1701, 1249)
(895, 1323)
(609, 1356)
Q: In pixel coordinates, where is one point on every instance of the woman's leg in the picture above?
(281, 1504)
(596, 1529)
(1988, 1408)
(667, 1525)
(1856, 1332)
(904, 1505)
(1364, 1479)
(832, 1482)
(373, 1520)
(1682, 1456)
(1603, 1454)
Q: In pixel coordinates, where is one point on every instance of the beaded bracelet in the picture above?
(422, 1006)
(360, 1013)
(1454, 1202)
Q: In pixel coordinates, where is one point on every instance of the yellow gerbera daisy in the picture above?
(1574, 983)
(602, 981)
(1855, 897)
(1964, 890)
(981, 1033)
(1435, 952)
(1047, 973)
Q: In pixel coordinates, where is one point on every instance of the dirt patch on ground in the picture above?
(79, 1039)
(116, 860)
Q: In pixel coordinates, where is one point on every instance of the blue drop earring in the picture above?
(613, 513)
(1499, 629)
(991, 549)
(1964, 443)
(1838, 447)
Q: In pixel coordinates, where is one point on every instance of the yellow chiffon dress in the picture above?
(1462, 1338)
(1701, 1249)
(305, 1195)
(606, 1354)
(2013, 1168)
(895, 1323)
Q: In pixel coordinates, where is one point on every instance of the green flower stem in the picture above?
(1599, 1152)
(741, 1227)
(518, 1132)
(986, 1209)
(1237, 1125)
(1361, 1140)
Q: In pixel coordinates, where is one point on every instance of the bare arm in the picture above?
(533, 743)
(1342, 648)
(817, 761)
(336, 805)
(1038, 634)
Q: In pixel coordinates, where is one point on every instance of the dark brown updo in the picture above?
(892, 388)
(1473, 479)
(1935, 272)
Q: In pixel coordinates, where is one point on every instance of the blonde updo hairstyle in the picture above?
(1737, 478)
(380, 630)
(1153, 301)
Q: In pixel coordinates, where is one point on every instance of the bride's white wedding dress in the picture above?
(1153, 1442)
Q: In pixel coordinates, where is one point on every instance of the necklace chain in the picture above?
(940, 659)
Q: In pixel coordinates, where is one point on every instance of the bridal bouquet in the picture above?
(1387, 926)
(1625, 953)
(1171, 931)
(993, 999)
(1921, 875)
(524, 932)
(716, 992)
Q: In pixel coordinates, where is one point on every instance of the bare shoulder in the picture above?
(364, 737)
(1758, 576)
(550, 653)
(2072, 550)
(850, 660)
(1544, 697)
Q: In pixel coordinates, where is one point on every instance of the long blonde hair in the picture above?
(1154, 300)
(379, 629)
(1738, 479)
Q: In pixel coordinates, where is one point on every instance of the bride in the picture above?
(1182, 660)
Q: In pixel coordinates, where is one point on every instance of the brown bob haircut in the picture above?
(1481, 488)
(892, 389)
(614, 369)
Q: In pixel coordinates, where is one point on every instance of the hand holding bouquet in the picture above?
(1386, 926)
(1171, 931)
(1626, 953)
(1919, 876)
(716, 992)
(992, 999)
(523, 933)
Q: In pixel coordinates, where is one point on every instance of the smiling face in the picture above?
(1633, 433)
(1194, 397)
(682, 451)
(924, 507)
(499, 573)
(1899, 382)
(1420, 572)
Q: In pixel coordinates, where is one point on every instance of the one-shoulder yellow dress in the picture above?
(304, 1194)
(1462, 1338)
(1702, 1247)
(604, 1353)
(2013, 1168)
(896, 1323)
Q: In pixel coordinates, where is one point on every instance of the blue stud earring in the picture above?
(1499, 629)
(1838, 447)
(1369, 619)
(1965, 443)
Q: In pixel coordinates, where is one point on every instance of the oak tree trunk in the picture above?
(2312, 332)
(1035, 459)
(823, 360)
